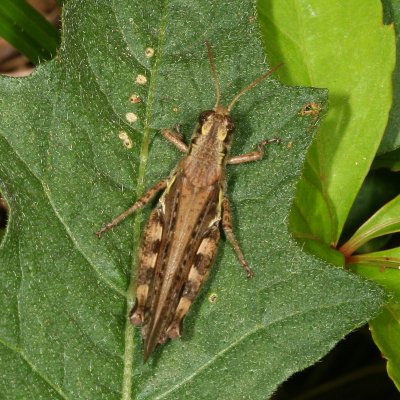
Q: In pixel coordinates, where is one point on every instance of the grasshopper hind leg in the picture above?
(147, 261)
(198, 273)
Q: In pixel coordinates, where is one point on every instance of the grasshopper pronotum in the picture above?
(180, 239)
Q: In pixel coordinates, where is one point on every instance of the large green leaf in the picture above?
(344, 47)
(391, 139)
(65, 171)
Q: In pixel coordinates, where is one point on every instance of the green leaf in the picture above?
(383, 222)
(391, 138)
(332, 44)
(27, 30)
(64, 171)
(380, 187)
(385, 327)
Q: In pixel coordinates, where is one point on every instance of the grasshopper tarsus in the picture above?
(253, 155)
(177, 130)
(250, 273)
(269, 141)
(105, 228)
(100, 232)
(248, 270)
(262, 144)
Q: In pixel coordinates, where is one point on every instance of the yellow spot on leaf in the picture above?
(135, 99)
(149, 52)
(212, 298)
(141, 80)
(127, 142)
(131, 117)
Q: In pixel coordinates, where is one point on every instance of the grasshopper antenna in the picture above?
(214, 72)
(251, 85)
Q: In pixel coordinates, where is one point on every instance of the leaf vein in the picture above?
(256, 328)
(68, 231)
(34, 368)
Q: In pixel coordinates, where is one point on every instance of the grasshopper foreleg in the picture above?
(139, 204)
(175, 138)
(227, 227)
(253, 155)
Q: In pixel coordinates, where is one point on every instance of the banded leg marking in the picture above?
(147, 260)
(139, 204)
(197, 275)
(253, 155)
(227, 227)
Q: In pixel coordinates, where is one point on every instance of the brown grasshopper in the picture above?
(180, 239)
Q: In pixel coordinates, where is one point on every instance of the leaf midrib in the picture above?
(144, 152)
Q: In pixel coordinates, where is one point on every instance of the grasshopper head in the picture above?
(217, 124)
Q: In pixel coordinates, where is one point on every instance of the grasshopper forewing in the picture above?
(180, 239)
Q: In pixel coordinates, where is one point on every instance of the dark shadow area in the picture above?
(354, 370)
(3, 216)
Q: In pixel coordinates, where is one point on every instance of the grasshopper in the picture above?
(180, 239)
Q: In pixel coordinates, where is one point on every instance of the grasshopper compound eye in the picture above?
(204, 115)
